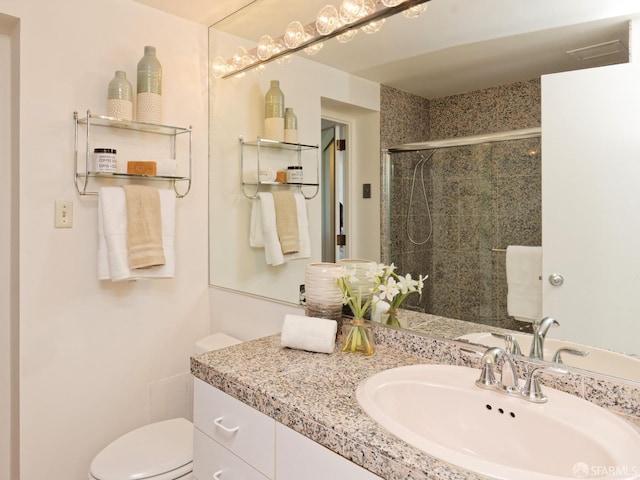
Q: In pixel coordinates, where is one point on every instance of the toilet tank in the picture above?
(215, 342)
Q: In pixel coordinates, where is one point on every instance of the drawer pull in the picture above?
(217, 475)
(218, 423)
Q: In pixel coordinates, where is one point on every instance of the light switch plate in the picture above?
(64, 214)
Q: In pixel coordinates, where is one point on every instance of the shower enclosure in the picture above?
(450, 209)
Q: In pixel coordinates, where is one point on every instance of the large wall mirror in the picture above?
(462, 68)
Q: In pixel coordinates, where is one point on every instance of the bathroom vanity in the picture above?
(235, 441)
(302, 406)
(297, 415)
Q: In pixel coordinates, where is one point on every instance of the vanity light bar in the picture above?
(380, 13)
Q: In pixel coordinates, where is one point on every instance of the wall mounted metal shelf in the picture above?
(81, 178)
(297, 148)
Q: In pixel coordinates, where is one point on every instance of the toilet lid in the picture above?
(146, 452)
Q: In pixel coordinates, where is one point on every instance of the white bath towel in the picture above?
(113, 255)
(263, 232)
(309, 333)
(524, 284)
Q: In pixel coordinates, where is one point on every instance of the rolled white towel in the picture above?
(265, 174)
(309, 333)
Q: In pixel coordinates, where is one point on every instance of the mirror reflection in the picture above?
(413, 82)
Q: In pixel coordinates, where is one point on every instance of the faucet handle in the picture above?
(511, 344)
(557, 358)
(489, 361)
(532, 390)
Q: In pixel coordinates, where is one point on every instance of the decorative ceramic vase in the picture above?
(323, 296)
(149, 98)
(120, 97)
(290, 126)
(358, 337)
(274, 113)
(359, 276)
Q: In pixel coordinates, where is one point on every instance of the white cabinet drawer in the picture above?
(241, 429)
(211, 461)
(298, 457)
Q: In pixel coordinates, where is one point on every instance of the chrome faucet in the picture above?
(513, 348)
(508, 370)
(540, 328)
(508, 383)
(492, 358)
(532, 391)
(557, 357)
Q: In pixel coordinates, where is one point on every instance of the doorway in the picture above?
(333, 180)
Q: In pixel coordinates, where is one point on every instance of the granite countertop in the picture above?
(314, 394)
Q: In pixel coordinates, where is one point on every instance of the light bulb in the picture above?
(237, 78)
(351, 10)
(265, 47)
(327, 20)
(371, 27)
(240, 59)
(416, 11)
(294, 34)
(279, 47)
(259, 70)
(347, 36)
(313, 49)
(309, 34)
(220, 67)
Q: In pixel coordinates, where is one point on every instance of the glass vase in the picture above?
(149, 88)
(358, 337)
(120, 97)
(392, 318)
(274, 113)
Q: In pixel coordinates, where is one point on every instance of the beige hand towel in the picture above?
(144, 226)
(287, 221)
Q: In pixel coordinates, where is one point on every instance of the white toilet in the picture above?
(161, 450)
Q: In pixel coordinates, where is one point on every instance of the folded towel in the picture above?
(263, 232)
(144, 226)
(309, 333)
(287, 221)
(524, 284)
(113, 254)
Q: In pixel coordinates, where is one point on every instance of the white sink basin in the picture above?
(440, 410)
(598, 359)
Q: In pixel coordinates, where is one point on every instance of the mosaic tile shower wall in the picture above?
(479, 197)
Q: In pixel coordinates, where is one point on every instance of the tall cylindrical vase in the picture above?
(274, 113)
(120, 97)
(149, 98)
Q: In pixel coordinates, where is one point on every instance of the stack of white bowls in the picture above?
(323, 296)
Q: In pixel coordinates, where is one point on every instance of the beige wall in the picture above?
(89, 350)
